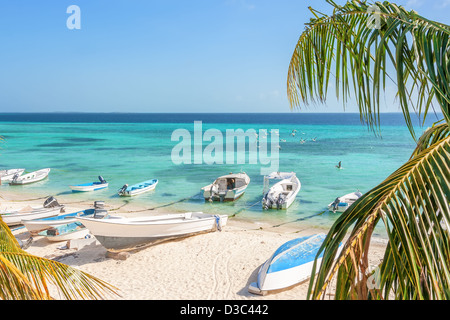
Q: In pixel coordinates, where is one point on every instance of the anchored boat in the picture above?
(227, 188)
(282, 194)
(91, 186)
(341, 204)
(138, 188)
(30, 177)
(8, 175)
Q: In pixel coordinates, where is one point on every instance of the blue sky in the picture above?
(158, 55)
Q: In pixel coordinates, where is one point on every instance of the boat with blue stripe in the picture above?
(38, 225)
(138, 188)
(91, 186)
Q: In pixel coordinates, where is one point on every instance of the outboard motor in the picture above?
(52, 203)
(101, 179)
(281, 200)
(15, 177)
(335, 204)
(213, 191)
(268, 201)
(99, 210)
(123, 189)
(99, 204)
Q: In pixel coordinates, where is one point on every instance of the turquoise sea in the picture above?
(130, 148)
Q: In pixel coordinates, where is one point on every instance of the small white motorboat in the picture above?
(91, 186)
(8, 175)
(74, 230)
(282, 194)
(30, 177)
(291, 264)
(50, 208)
(118, 233)
(138, 188)
(38, 225)
(227, 188)
(342, 203)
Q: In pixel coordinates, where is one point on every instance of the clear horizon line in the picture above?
(120, 112)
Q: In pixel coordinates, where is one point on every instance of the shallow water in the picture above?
(128, 148)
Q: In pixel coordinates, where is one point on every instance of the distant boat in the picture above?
(282, 194)
(118, 233)
(8, 175)
(74, 230)
(91, 186)
(291, 264)
(50, 208)
(227, 188)
(30, 177)
(38, 225)
(341, 204)
(138, 188)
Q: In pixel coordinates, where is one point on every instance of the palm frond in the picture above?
(414, 206)
(25, 276)
(403, 50)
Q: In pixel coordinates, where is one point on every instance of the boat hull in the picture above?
(69, 231)
(16, 218)
(291, 264)
(345, 202)
(230, 195)
(8, 175)
(88, 188)
(290, 198)
(227, 188)
(135, 190)
(31, 177)
(128, 233)
(38, 225)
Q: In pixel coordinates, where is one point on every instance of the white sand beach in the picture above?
(208, 266)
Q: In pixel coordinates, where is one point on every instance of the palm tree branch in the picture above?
(352, 41)
(401, 198)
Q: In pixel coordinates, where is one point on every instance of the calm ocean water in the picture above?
(129, 148)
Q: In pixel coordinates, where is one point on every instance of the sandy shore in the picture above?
(215, 265)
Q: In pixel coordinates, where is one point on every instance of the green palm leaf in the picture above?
(25, 276)
(357, 56)
(414, 208)
(413, 53)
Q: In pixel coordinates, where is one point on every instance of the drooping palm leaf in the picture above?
(25, 276)
(414, 206)
(405, 50)
(412, 53)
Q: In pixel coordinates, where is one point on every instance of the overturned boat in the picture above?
(290, 264)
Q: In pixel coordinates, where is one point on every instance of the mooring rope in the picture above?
(243, 209)
(22, 200)
(299, 219)
(153, 208)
